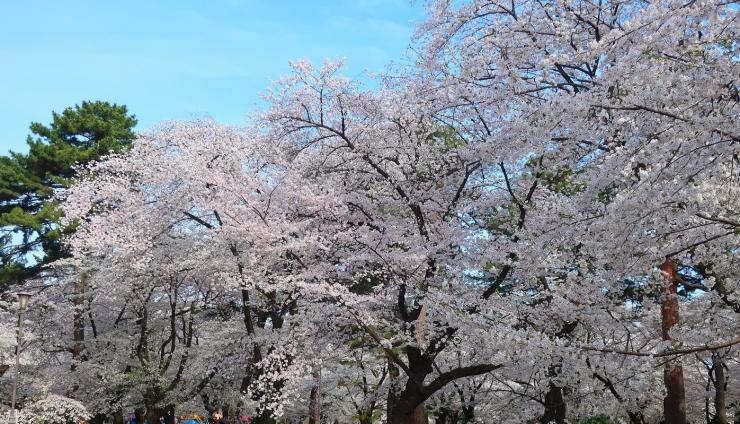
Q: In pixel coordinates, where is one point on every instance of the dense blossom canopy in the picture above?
(504, 232)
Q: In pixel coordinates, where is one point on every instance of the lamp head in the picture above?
(23, 300)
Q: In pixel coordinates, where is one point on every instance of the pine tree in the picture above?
(29, 216)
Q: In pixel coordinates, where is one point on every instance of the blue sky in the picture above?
(178, 59)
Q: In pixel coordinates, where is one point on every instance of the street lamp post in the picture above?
(22, 304)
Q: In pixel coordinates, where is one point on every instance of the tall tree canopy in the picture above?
(28, 215)
(504, 232)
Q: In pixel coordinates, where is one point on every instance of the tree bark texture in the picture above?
(720, 390)
(314, 406)
(674, 403)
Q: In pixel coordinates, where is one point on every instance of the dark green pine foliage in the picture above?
(29, 217)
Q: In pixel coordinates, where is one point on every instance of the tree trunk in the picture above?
(117, 417)
(139, 416)
(393, 389)
(249, 372)
(674, 403)
(407, 406)
(78, 324)
(153, 414)
(402, 406)
(720, 389)
(78, 329)
(407, 415)
(314, 406)
(555, 408)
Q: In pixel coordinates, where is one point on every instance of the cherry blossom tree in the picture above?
(536, 222)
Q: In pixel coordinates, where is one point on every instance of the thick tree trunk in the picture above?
(720, 390)
(404, 414)
(674, 403)
(407, 406)
(314, 406)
